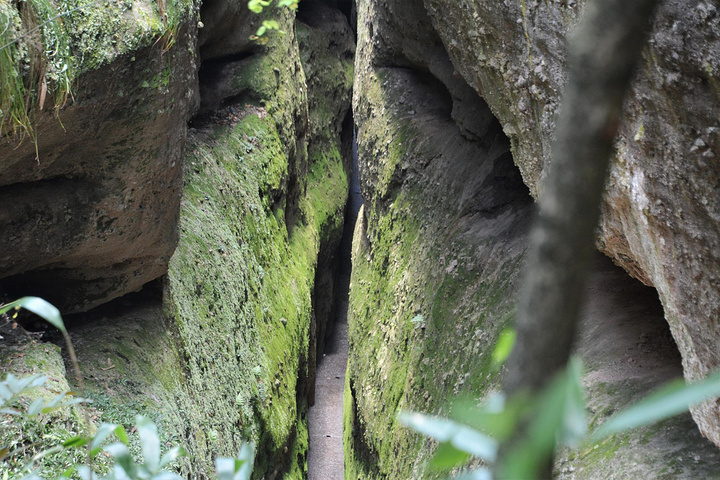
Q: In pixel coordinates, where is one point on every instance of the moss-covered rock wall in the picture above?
(91, 193)
(439, 246)
(226, 353)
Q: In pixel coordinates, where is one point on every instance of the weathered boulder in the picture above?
(95, 216)
(661, 215)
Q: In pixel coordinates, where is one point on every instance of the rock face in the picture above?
(661, 216)
(263, 201)
(95, 216)
(438, 244)
(226, 352)
(443, 231)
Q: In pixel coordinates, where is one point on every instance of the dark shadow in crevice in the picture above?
(151, 294)
(332, 275)
(343, 266)
(624, 334)
(309, 13)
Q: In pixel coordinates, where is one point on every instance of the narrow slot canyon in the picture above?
(273, 229)
(325, 417)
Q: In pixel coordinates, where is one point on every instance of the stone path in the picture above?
(325, 458)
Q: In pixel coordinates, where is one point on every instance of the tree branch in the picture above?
(603, 52)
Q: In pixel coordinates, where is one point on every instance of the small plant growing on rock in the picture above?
(558, 416)
(17, 410)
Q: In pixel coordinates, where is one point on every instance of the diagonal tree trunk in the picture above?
(603, 52)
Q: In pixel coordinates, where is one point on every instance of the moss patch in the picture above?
(47, 44)
(240, 292)
(422, 253)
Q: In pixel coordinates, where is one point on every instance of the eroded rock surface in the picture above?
(661, 216)
(95, 216)
(261, 213)
(439, 246)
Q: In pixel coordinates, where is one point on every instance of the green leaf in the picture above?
(261, 31)
(574, 426)
(171, 455)
(5, 392)
(546, 424)
(103, 432)
(225, 468)
(54, 403)
(44, 453)
(4, 452)
(40, 307)
(12, 383)
(503, 347)
(447, 457)
(38, 381)
(122, 435)
(674, 398)
(481, 474)
(85, 472)
(247, 457)
(149, 442)
(73, 401)
(35, 407)
(75, 442)
(459, 436)
(123, 459)
(257, 5)
(497, 417)
(68, 472)
(239, 468)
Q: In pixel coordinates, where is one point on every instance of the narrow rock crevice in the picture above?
(325, 418)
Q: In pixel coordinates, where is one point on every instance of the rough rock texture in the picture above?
(327, 52)
(661, 216)
(440, 242)
(226, 355)
(628, 351)
(265, 189)
(437, 246)
(95, 216)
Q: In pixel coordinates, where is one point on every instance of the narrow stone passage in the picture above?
(325, 457)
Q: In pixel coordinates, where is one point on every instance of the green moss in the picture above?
(416, 257)
(240, 291)
(49, 44)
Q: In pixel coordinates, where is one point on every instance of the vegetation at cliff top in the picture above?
(46, 44)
